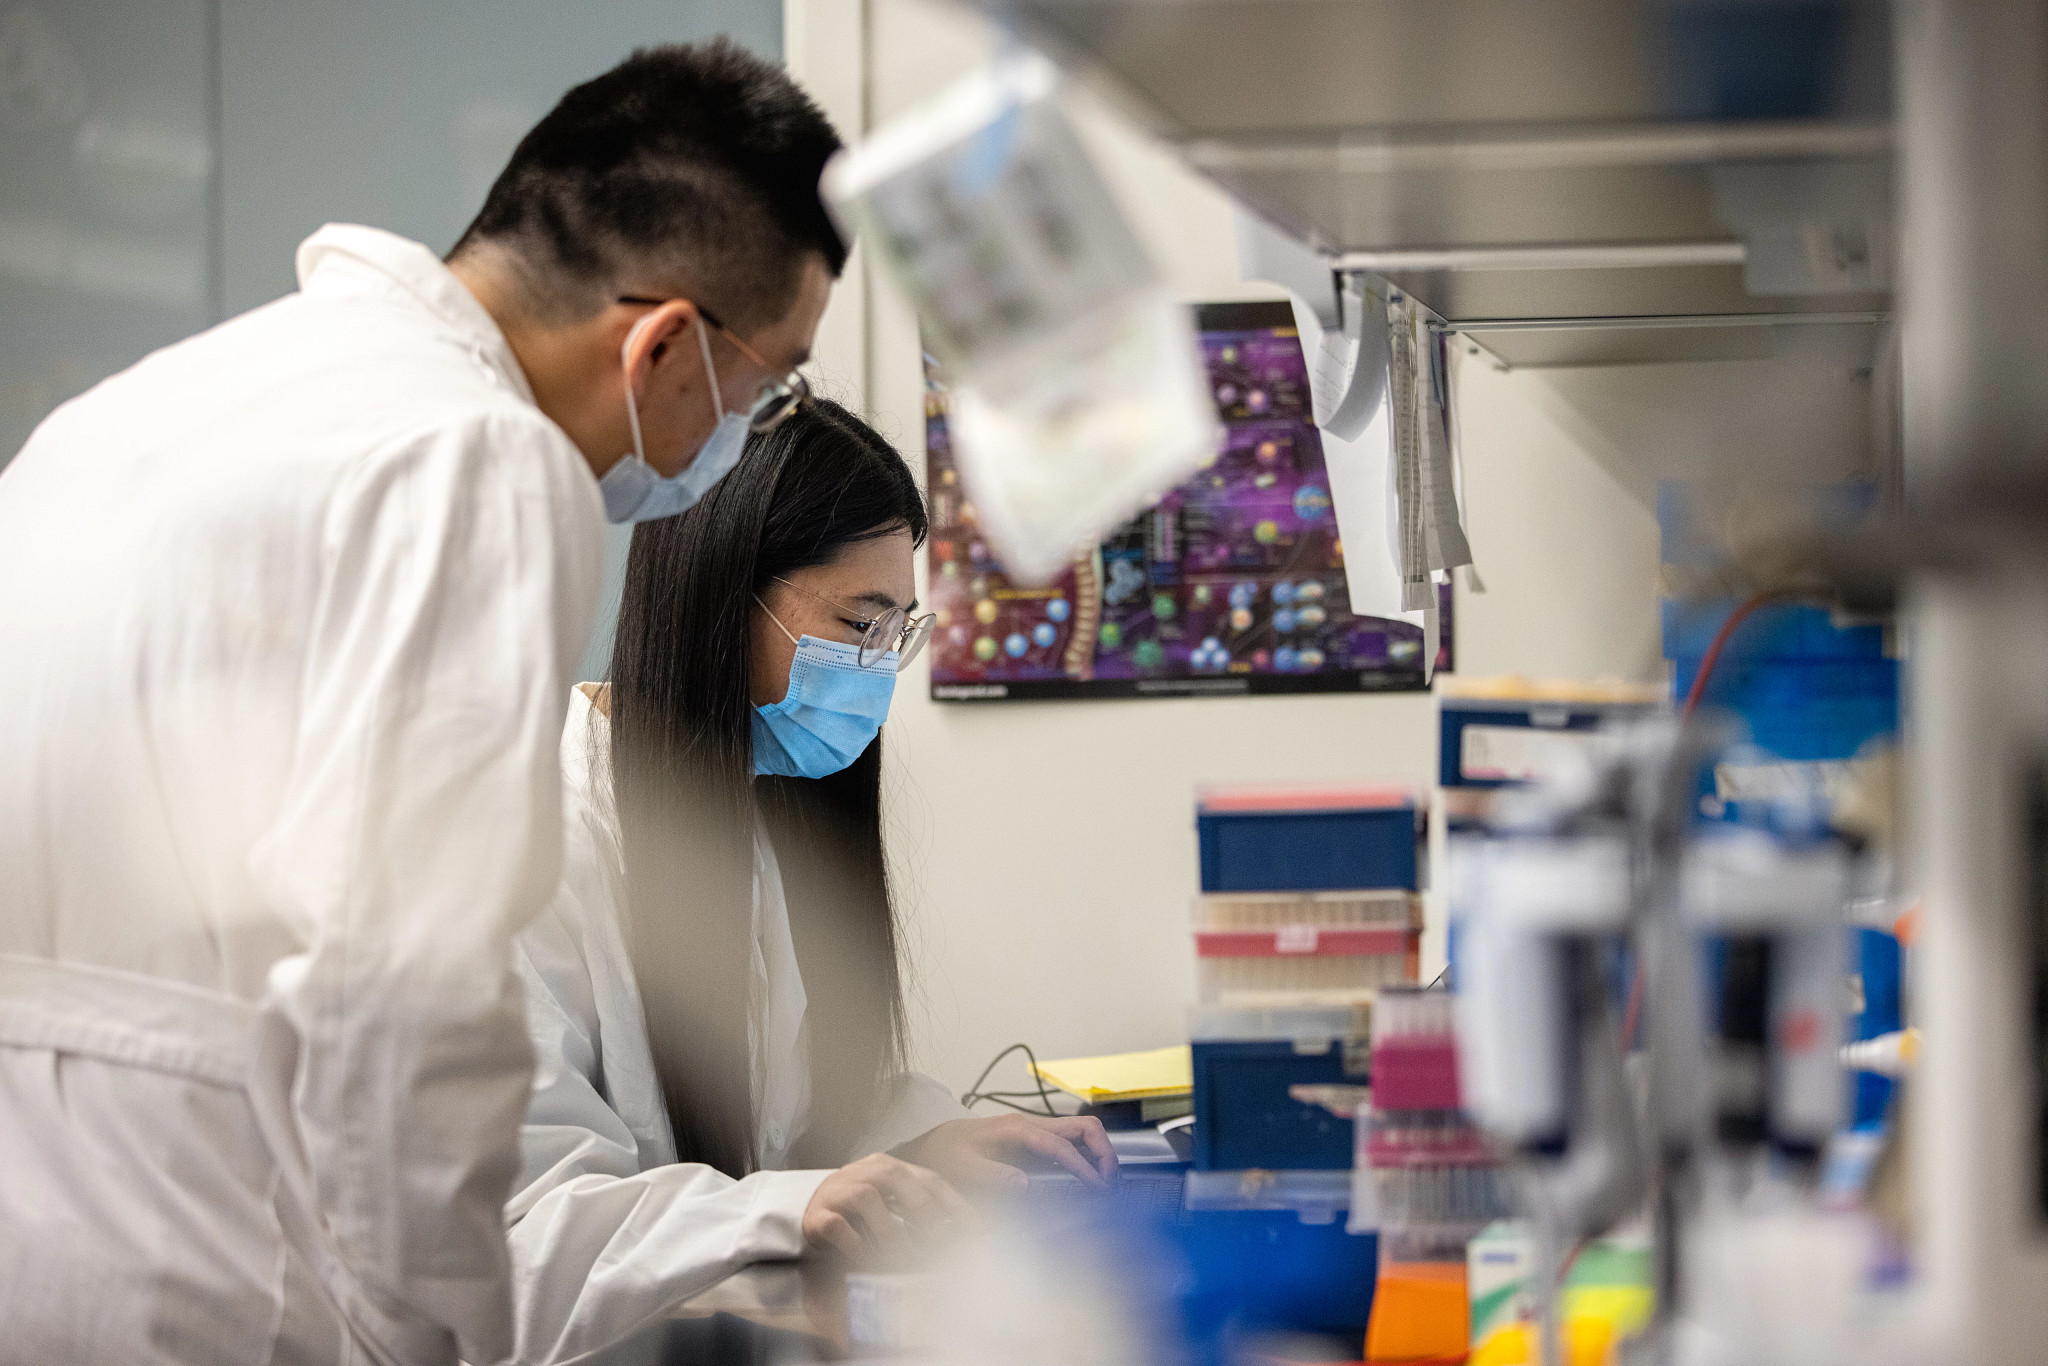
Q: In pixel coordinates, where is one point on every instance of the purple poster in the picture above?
(1231, 584)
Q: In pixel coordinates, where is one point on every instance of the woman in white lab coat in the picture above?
(714, 994)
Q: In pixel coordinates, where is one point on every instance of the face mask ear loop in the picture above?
(711, 373)
(632, 404)
(777, 620)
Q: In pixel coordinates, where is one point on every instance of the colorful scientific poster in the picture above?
(1233, 583)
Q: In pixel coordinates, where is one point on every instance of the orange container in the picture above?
(1419, 1314)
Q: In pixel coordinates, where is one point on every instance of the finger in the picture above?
(1087, 1132)
(928, 1196)
(987, 1174)
(946, 1199)
(885, 1231)
(1057, 1149)
(837, 1232)
(908, 1195)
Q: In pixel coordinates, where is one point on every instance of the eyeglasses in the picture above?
(894, 630)
(777, 399)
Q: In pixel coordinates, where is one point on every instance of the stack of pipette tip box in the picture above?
(1308, 894)
(1309, 909)
(1425, 1178)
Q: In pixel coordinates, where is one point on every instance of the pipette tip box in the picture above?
(1247, 1061)
(1308, 837)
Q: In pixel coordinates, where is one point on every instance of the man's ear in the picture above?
(649, 338)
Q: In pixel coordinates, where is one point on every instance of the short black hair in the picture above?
(687, 169)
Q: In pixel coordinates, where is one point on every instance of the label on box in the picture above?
(1498, 1264)
(1295, 939)
(1416, 1072)
(1341, 941)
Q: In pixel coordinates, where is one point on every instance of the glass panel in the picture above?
(106, 194)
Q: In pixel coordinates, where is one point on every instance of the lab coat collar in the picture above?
(345, 258)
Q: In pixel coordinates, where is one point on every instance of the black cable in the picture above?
(974, 1094)
(976, 1088)
(980, 1096)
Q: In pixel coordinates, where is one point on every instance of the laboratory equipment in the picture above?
(1888, 1055)
(1383, 910)
(1425, 1177)
(1602, 181)
(1547, 902)
(1776, 907)
(1606, 1298)
(1255, 948)
(1252, 1137)
(1493, 732)
(1817, 693)
(1419, 1313)
(1814, 687)
(1308, 837)
(1608, 883)
(1308, 913)
(1498, 1265)
(1149, 1183)
(1253, 967)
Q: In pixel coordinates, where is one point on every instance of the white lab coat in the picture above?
(289, 614)
(609, 1231)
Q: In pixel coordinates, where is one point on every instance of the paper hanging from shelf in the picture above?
(1379, 386)
(1429, 541)
(1412, 533)
(1348, 368)
(1449, 548)
(1360, 492)
(1342, 318)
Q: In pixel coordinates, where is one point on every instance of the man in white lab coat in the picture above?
(288, 616)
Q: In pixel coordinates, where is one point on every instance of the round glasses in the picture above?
(895, 629)
(778, 401)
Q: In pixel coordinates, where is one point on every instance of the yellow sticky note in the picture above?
(1123, 1076)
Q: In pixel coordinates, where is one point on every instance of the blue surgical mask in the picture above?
(633, 492)
(833, 711)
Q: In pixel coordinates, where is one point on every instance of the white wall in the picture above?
(1046, 851)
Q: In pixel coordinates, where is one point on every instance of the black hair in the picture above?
(687, 169)
(682, 766)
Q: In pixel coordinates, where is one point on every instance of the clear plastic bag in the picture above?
(1077, 390)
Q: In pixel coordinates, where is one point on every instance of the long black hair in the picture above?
(682, 770)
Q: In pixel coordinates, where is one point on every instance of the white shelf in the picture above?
(1526, 162)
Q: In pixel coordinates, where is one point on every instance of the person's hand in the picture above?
(877, 1205)
(987, 1153)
